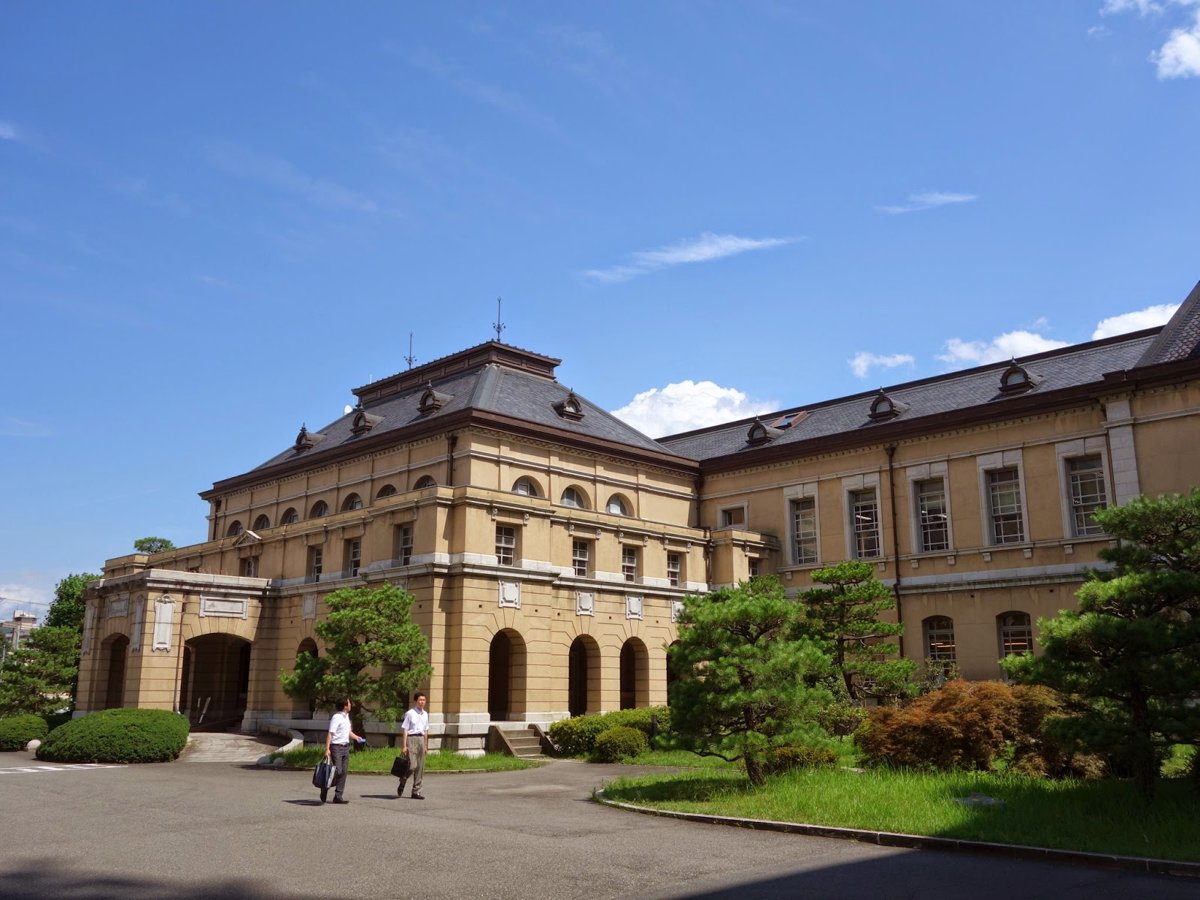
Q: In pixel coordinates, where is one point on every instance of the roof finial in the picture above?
(498, 325)
(410, 359)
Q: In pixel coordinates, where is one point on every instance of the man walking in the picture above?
(415, 731)
(337, 747)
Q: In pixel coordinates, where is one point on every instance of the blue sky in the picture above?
(217, 218)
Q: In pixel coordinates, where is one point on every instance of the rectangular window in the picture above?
(581, 558)
(1004, 505)
(402, 552)
(629, 563)
(932, 515)
(506, 545)
(1015, 632)
(353, 556)
(804, 531)
(864, 517)
(674, 569)
(733, 517)
(939, 640)
(1085, 477)
(314, 563)
(755, 567)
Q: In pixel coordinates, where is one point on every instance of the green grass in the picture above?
(681, 759)
(379, 759)
(1096, 816)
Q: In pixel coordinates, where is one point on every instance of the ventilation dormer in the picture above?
(569, 407)
(884, 407)
(761, 434)
(363, 420)
(431, 401)
(306, 439)
(1017, 379)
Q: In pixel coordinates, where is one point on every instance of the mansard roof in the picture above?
(958, 398)
(492, 384)
(1180, 337)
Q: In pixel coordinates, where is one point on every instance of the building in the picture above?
(548, 545)
(15, 630)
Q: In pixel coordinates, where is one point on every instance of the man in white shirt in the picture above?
(415, 732)
(337, 747)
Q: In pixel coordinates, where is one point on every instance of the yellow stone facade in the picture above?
(547, 546)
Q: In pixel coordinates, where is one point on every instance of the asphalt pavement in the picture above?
(189, 830)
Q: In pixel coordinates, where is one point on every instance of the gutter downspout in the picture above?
(891, 455)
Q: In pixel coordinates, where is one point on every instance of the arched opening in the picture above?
(425, 481)
(262, 523)
(583, 676)
(308, 647)
(116, 653)
(635, 674)
(526, 487)
(672, 675)
(217, 681)
(506, 676)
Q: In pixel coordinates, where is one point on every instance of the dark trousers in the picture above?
(340, 754)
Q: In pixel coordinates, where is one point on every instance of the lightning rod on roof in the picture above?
(498, 325)
(410, 359)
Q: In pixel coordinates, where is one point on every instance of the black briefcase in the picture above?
(401, 766)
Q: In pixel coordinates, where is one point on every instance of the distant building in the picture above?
(548, 545)
(15, 630)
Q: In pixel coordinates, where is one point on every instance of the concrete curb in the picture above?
(921, 842)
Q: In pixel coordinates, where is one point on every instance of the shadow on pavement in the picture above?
(52, 883)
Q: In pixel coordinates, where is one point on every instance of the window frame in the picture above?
(630, 563)
(936, 653)
(734, 516)
(922, 528)
(403, 538)
(581, 558)
(315, 563)
(506, 545)
(580, 501)
(796, 538)
(353, 562)
(989, 466)
(674, 569)
(1011, 632)
(861, 536)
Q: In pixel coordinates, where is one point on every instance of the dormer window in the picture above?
(431, 401)
(761, 434)
(569, 407)
(884, 407)
(304, 440)
(363, 420)
(1017, 379)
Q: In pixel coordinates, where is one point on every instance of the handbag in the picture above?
(401, 766)
(324, 774)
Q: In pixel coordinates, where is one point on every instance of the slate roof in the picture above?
(924, 399)
(1180, 337)
(492, 387)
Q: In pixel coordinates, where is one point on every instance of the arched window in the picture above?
(234, 529)
(617, 506)
(939, 640)
(319, 509)
(574, 498)
(1014, 632)
(425, 481)
(290, 516)
(526, 487)
(352, 502)
(262, 523)
(386, 491)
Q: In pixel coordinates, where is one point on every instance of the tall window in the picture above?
(1014, 631)
(932, 515)
(506, 545)
(404, 544)
(1004, 505)
(804, 531)
(755, 566)
(629, 563)
(674, 569)
(580, 558)
(353, 556)
(1085, 478)
(864, 518)
(315, 560)
(939, 640)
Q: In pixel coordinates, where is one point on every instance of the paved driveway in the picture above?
(225, 830)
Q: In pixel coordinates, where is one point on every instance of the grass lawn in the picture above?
(1095, 816)
(379, 759)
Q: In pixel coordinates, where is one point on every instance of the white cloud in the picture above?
(1179, 57)
(1142, 7)
(1149, 317)
(863, 362)
(284, 176)
(9, 131)
(686, 405)
(705, 248)
(25, 596)
(927, 200)
(960, 353)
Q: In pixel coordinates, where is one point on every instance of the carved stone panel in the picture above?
(164, 618)
(510, 594)
(223, 608)
(585, 603)
(633, 606)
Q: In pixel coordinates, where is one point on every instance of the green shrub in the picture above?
(804, 756)
(620, 742)
(17, 731)
(118, 735)
(577, 736)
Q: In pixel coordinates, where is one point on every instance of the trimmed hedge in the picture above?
(118, 735)
(577, 736)
(802, 756)
(620, 742)
(17, 731)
